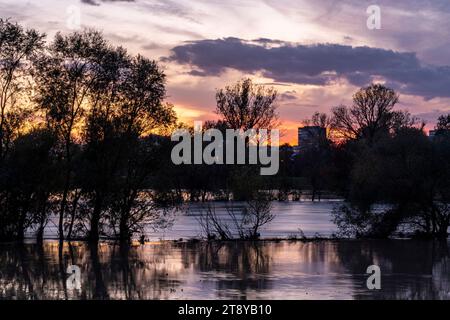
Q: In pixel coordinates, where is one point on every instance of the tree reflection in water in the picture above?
(228, 270)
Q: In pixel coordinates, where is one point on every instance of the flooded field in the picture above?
(291, 220)
(285, 269)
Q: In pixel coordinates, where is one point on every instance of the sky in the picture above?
(316, 53)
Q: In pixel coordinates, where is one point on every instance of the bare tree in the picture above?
(318, 119)
(244, 222)
(246, 105)
(258, 213)
(213, 226)
(371, 113)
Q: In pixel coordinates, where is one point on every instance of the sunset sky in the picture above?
(316, 53)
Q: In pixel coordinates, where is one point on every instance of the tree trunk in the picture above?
(61, 214)
(72, 214)
(124, 233)
(40, 234)
(21, 228)
(95, 219)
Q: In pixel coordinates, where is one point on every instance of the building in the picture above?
(431, 134)
(309, 136)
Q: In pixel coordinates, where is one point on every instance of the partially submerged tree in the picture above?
(97, 95)
(241, 221)
(17, 47)
(65, 76)
(393, 184)
(28, 185)
(127, 109)
(314, 161)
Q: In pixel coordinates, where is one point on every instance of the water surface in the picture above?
(312, 218)
(230, 270)
(291, 219)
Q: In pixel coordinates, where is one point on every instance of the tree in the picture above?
(26, 183)
(314, 160)
(246, 105)
(96, 107)
(132, 204)
(319, 119)
(370, 115)
(412, 181)
(443, 124)
(104, 135)
(315, 164)
(17, 47)
(127, 107)
(65, 76)
(245, 221)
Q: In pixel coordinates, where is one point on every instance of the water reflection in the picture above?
(230, 270)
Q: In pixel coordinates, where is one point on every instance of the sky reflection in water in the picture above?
(231, 270)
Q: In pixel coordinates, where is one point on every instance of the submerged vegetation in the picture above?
(83, 138)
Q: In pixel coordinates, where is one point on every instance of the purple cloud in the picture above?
(319, 64)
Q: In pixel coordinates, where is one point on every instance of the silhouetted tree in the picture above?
(127, 107)
(370, 115)
(26, 184)
(408, 174)
(242, 222)
(65, 76)
(17, 47)
(443, 124)
(314, 160)
(246, 105)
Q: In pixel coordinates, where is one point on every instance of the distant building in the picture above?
(431, 134)
(310, 136)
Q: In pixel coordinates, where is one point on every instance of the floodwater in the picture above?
(410, 269)
(291, 219)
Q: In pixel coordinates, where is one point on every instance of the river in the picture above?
(278, 268)
(328, 269)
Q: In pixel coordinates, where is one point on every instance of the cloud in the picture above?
(165, 7)
(319, 64)
(96, 2)
(431, 116)
(288, 96)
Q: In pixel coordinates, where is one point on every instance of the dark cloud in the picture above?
(288, 96)
(319, 64)
(151, 46)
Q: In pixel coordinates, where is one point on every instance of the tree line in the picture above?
(394, 178)
(76, 117)
(84, 137)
